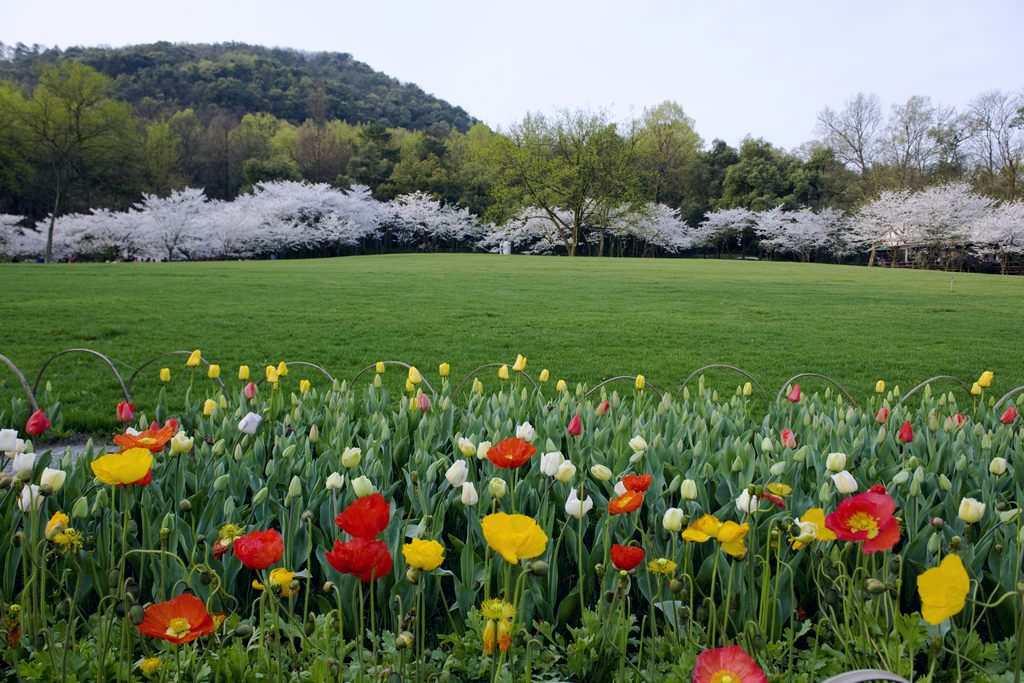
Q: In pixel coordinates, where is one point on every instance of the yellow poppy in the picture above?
(703, 529)
(425, 555)
(661, 566)
(815, 516)
(122, 468)
(514, 537)
(943, 590)
(149, 666)
(731, 537)
(780, 489)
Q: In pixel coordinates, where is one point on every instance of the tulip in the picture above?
(602, 408)
(379, 367)
(640, 382)
(520, 363)
(549, 463)
(423, 403)
(806, 531)
(249, 391)
(23, 464)
(8, 440)
(213, 372)
(566, 471)
(52, 478)
(788, 438)
(794, 394)
(351, 456)
(194, 359)
(544, 375)
(844, 481)
(478, 387)
(575, 427)
(271, 374)
(576, 508)
(601, 473)
(638, 444)
(748, 389)
(37, 423)
(906, 434)
(304, 386)
(335, 481)
(209, 405)
(746, 502)
(165, 374)
(457, 473)
(1008, 516)
(985, 381)
(997, 466)
(503, 372)
(672, 520)
(249, 423)
(836, 462)
(125, 411)
(880, 387)
(688, 489)
(466, 447)
(619, 488)
(497, 487)
(882, 416)
(1009, 416)
(282, 369)
(469, 495)
(181, 443)
(30, 499)
(481, 450)
(363, 487)
(971, 510)
(444, 369)
(526, 432)
(243, 373)
(976, 389)
(766, 445)
(561, 386)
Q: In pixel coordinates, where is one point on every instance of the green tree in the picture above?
(760, 179)
(703, 188)
(374, 159)
(162, 150)
(667, 147)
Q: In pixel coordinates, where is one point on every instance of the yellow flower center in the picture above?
(862, 521)
(724, 676)
(178, 627)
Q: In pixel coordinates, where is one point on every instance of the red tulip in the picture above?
(794, 394)
(37, 423)
(259, 549)
(882, 416)
(575, 427)
(626, 557)
(125, 411)
(423, 402)
(906, 432)
(366, 517)
(360, 557)
(788, 438)
(602, 408)
(1009, 416)
(249, 391)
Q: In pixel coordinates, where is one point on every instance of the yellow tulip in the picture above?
(271, 373)
(748, 389)
(943, 590)
(379, 367)
(478, 387)
(209, 405)
(282, 369)
(503, 372)
(641, 382)
(976, 389)
(520, 363)
(985, 381)
(425, 555)
(243, 372)
(304, 386)
(58, 523)
(194, 359)
(414, 375)
(544, 375)
(514, 537)
(122, 468)
(880, 387)
(443, 369)
(213, 372)
(165, 374)
(409, 386)
(561, 386)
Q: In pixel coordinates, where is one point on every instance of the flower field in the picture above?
(410, 526)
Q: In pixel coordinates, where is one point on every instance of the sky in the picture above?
(743, 67)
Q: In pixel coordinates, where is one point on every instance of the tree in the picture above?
(722, 226)
(75, 130)
(997, 141)
(1001, 231)
(666, 152)
(910, 142)
(853, 131)
(760, 179)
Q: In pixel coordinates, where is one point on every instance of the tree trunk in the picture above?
(871, 259)
(48, 255)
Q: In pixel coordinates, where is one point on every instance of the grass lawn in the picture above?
(585, 319)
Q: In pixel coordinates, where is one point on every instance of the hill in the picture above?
(240, 78)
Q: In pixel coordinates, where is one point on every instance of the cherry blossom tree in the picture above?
(722, 226)
(417, 219)
(801, 232)
(655, 226)
(1001, 231)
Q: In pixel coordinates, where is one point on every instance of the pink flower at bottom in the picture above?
(732, 662)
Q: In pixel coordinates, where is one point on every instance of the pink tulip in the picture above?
(249, 391)
(602, 408)
(906, 432)
(423, 402)
(575, 427)
(125, 411)
(788, 438)
(882, 416)
(1009, 416)
(794, 394)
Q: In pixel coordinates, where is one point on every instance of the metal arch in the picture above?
(928, 381)
(21, 378)
(312, 365)
(393, 362)
(1007, 395)
(819, 376)
(102, 357)
(647, 385)
(484, 367)
(131, 380)
(862, 675)
(725, 366)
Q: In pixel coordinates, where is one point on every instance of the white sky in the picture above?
(757, 67)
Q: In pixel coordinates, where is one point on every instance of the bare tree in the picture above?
(853, 131)
(997, 143)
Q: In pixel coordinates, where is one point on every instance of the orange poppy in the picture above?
(180, 620)
(511, 452)
(637, 482)
(627, 502)
(153, 439)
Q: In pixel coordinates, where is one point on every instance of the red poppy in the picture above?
(882, 416)
(37, 423)
(153, 439)
(637, 482)
(575, 427)
(906, 432)
(772, 498)
(220, 546)
(794, 394)
(1009, 416)
(627, 502)
(366, 517)
(360, 557)
(727, 664)
(511, 452)
(626, 557)
(259, 549)
(180, 620)
(125, 411)
(868, 518)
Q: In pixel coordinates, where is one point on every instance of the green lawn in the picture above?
(585, 319)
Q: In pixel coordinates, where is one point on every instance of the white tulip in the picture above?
(181, 443)
(457, 473)
(481, 450)
(335, 481)
(350, 457)
(526, 432)
(566, 471)
(688, 489)
(576, 508)
(549, 463)
(250, 423)
(971, 510)
(601, 473)
(836, 462)
(8, 440)
(23, 464)
(619, 489)
(498, 488)
(638, 444)
(363, 487)
(746, 502)
(808, 531)
(467, 447)
(1007, 516)
(844, 481)
(53, 478)
(997, 466)
(766, 445)
(30, 498)
(469, 495)
(672, 520)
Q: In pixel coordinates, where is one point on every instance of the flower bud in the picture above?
(672, 520)
(997, 466)
(260, 496)
(601, 473)
(350, 457)
(836, 462)
(362, 486)
(538, 568)
(971, 510)
(184, 505)
(335, 482)
(874, 586)
(469, 496)
(497, 487)
(845, 482)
